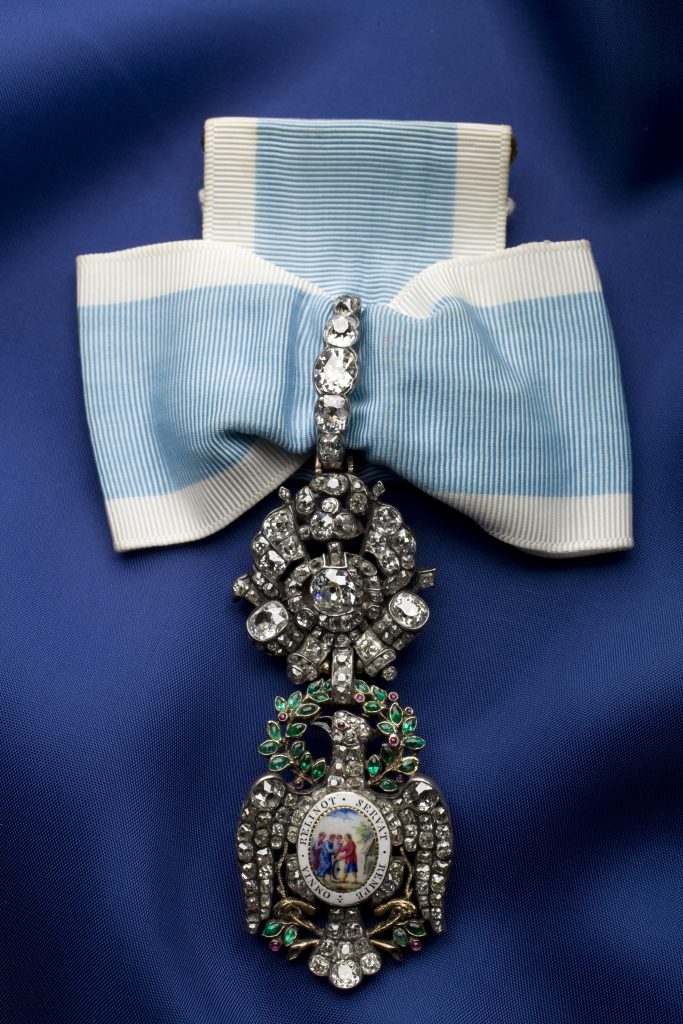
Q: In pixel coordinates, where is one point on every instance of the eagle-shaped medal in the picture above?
(343, 857)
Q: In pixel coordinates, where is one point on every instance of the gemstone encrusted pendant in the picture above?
(342, 857)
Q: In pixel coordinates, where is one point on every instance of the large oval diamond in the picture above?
(409, 610)
(335, 590)
(335, 371)
(268, 621)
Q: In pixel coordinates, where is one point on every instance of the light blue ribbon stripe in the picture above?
(523, 398)
(372, 202)
(489, 376)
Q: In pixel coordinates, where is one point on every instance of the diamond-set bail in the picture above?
(334, 376)
(334, 580)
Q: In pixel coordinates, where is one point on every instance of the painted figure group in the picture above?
(335, 857)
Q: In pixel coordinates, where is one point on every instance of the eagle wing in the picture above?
(428, 840)
(261, 836)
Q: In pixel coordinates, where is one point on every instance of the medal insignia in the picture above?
(344, 846)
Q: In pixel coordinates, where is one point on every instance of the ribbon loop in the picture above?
(490, 382)
(357, 206)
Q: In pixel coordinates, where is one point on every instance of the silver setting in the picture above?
(335, 371)
(334, 587)
(334, 565)
(334, 570)
(268, 621)
(334, 375)
(345, 949)
(408, 610)
(342, 330)
(342, 675)
(332, 414)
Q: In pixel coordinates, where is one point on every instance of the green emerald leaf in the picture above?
(268, 747)
(290, 935)
(320, 698)
(374, 766)
(296, 729)
(379, 694)
(273, 730)
(408, 765)
(326, 684)
(388, 785)
(400, 937)
(414, 742)
(278, 762)
(318, 770)
(410, 725)
(307, 710)
(272, 928)
(386, 753)
(297, 748)
(361, 686)
(395, 714)
(294, 699)
(280, 704)
(371, 707)
(416, 928)
(305, 762)
(386, 728)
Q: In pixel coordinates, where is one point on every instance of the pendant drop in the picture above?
(342, 857)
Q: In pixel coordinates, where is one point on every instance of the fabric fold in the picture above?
(490, 382)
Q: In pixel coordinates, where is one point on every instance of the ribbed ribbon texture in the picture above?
(489, 377)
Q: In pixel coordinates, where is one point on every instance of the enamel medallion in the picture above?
(344, 847)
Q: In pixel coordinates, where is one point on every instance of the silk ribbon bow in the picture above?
(490, 381)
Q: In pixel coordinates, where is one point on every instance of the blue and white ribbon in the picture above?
(356, 206)
(489, 376)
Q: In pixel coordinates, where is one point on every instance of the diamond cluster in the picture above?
(334, 576)
(415, 840)
(334, 583)
(335, 588)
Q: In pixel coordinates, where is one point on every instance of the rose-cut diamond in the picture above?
(342, 330)
(332, 414)
(268, 621)
(335, 371)
(334, 591)
(408, 610)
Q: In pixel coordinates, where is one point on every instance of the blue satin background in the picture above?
(130, 699)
